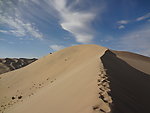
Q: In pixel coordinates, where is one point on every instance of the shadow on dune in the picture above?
(130, 88)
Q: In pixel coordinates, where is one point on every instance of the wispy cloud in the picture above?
(56, 47)
(123, 22)
(11, 19)
(76, 22)
(121, 27)
(3, 31)
(67, 13)
(146, 16)
(19, 28)
(138, 41)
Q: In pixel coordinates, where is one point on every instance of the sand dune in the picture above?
(78, 79)
(139, 62)
(129, 86)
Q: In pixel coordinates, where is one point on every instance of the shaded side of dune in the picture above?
(134, 60)
(130, 88)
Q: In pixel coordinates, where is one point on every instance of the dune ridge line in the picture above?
(78, 79)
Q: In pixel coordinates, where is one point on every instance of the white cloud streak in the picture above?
(121, 27)
(138, 40)
(56, 47)
(75, 22)
(14, 23)
(4, 31)
(19, 28)
(123, 22)
(143, 17)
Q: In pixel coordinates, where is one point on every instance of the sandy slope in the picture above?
(63, 82)
(137, 61)
(79, 79)
(129, 86)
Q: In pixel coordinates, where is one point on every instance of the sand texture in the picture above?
(78, 79)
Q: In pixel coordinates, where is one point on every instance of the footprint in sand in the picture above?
(95, 107)
(103, 84)
(102, 110)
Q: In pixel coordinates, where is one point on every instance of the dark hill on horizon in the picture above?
(10, 64)
(79, 79)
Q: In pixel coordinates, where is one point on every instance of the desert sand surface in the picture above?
(9, 64)
(137, 61)
(129, 86)
(78, 79)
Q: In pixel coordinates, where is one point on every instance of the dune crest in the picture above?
(78, 79)
(129, 86)
(66, 81)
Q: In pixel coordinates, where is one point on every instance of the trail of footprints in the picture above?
(8, 102)
(104, 91)
(103, 84)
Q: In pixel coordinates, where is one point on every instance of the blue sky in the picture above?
(34, 28)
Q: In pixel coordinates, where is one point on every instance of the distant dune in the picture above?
(79, 79)
(128, 83)
(9, 64)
